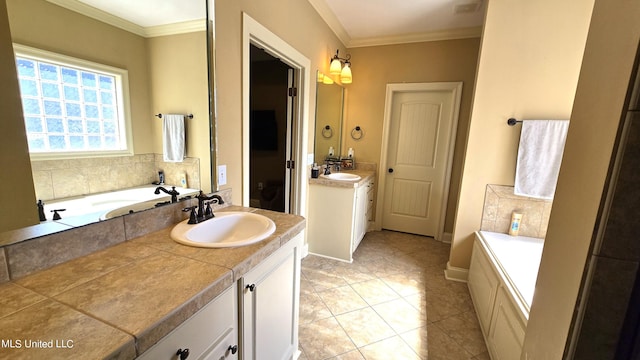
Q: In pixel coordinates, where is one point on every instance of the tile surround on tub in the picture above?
(57, 179)
(500, 202)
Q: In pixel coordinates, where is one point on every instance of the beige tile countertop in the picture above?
(118, 302)
(365, 175)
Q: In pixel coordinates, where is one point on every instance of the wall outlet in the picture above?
(222, 174)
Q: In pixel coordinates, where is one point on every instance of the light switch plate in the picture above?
(310, 159)
(222, 174)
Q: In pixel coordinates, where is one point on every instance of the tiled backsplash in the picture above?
(500, 202)
(57, 179)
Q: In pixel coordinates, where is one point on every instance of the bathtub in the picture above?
(90, 208)
(502, 279)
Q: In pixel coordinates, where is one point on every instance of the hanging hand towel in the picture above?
(173, 138)
(539, 157)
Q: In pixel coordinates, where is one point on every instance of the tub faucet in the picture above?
(174, 194)
(208, 214)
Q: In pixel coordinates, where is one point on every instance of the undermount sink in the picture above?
(342, 176)
(226, 229)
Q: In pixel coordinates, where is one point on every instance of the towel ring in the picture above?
(357, 133)
(327, 132)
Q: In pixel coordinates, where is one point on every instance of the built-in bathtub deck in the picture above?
(518, 259)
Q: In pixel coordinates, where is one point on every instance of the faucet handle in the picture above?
(193, 219)
(208, 213)
(57, 216)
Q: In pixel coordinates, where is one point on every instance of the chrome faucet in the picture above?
(174, 194)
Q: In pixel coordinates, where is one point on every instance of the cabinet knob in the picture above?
(390, 170)
(251, 287)
(233, 349)
(183, 353)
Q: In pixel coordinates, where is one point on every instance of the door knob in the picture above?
(233, 349)
(390, 170)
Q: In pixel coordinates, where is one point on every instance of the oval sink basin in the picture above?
(342, 176)
(227, 229)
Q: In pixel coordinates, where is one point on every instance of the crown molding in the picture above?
(450, 34)
(332, 21)
(177, 28)
(147, 32)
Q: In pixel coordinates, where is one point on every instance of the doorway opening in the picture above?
(270, 131)
(298, 105)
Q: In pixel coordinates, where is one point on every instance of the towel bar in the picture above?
(513, 121)
(190, 116)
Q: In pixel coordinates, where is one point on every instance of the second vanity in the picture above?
(339, 214)
(153, 298)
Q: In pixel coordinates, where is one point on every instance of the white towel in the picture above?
(539, 157)
(173, 138)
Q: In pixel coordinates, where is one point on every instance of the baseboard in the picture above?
(330, 257)
(447, 237)
(456, 274)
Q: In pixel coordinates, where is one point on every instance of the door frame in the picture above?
(254, 33)
(456, 89)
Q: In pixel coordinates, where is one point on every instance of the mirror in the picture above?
(168, 67)
(329, 112)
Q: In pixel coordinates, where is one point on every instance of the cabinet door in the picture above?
(270, 294)
(507, 331)
(483, 285)
(360, 216)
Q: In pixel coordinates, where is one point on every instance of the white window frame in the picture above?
(122, 94)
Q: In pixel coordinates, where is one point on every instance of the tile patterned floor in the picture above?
(392, 302)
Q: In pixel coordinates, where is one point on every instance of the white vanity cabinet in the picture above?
(269, 303)
(337, 219)
(210, 334)
(502, 322)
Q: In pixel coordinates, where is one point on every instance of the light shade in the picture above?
(327, 80)
(345, 75)
(335, 67)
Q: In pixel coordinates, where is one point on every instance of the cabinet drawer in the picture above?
(206, 328)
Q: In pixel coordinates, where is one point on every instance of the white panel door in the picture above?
(421, 124)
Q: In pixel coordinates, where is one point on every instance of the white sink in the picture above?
(226, 229)
(342, 176)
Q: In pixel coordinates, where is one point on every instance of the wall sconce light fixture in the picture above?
(337, 68)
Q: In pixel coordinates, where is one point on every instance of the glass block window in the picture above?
(72, 106)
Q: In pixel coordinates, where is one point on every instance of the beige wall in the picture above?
(17, 201)
(606, 69)
(45, 26)
(528, 69)
(306, 32)
(375, 67)
(178, 77)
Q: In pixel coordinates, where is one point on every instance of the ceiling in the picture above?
(355, 22)
(143, 17)
(382, 22)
